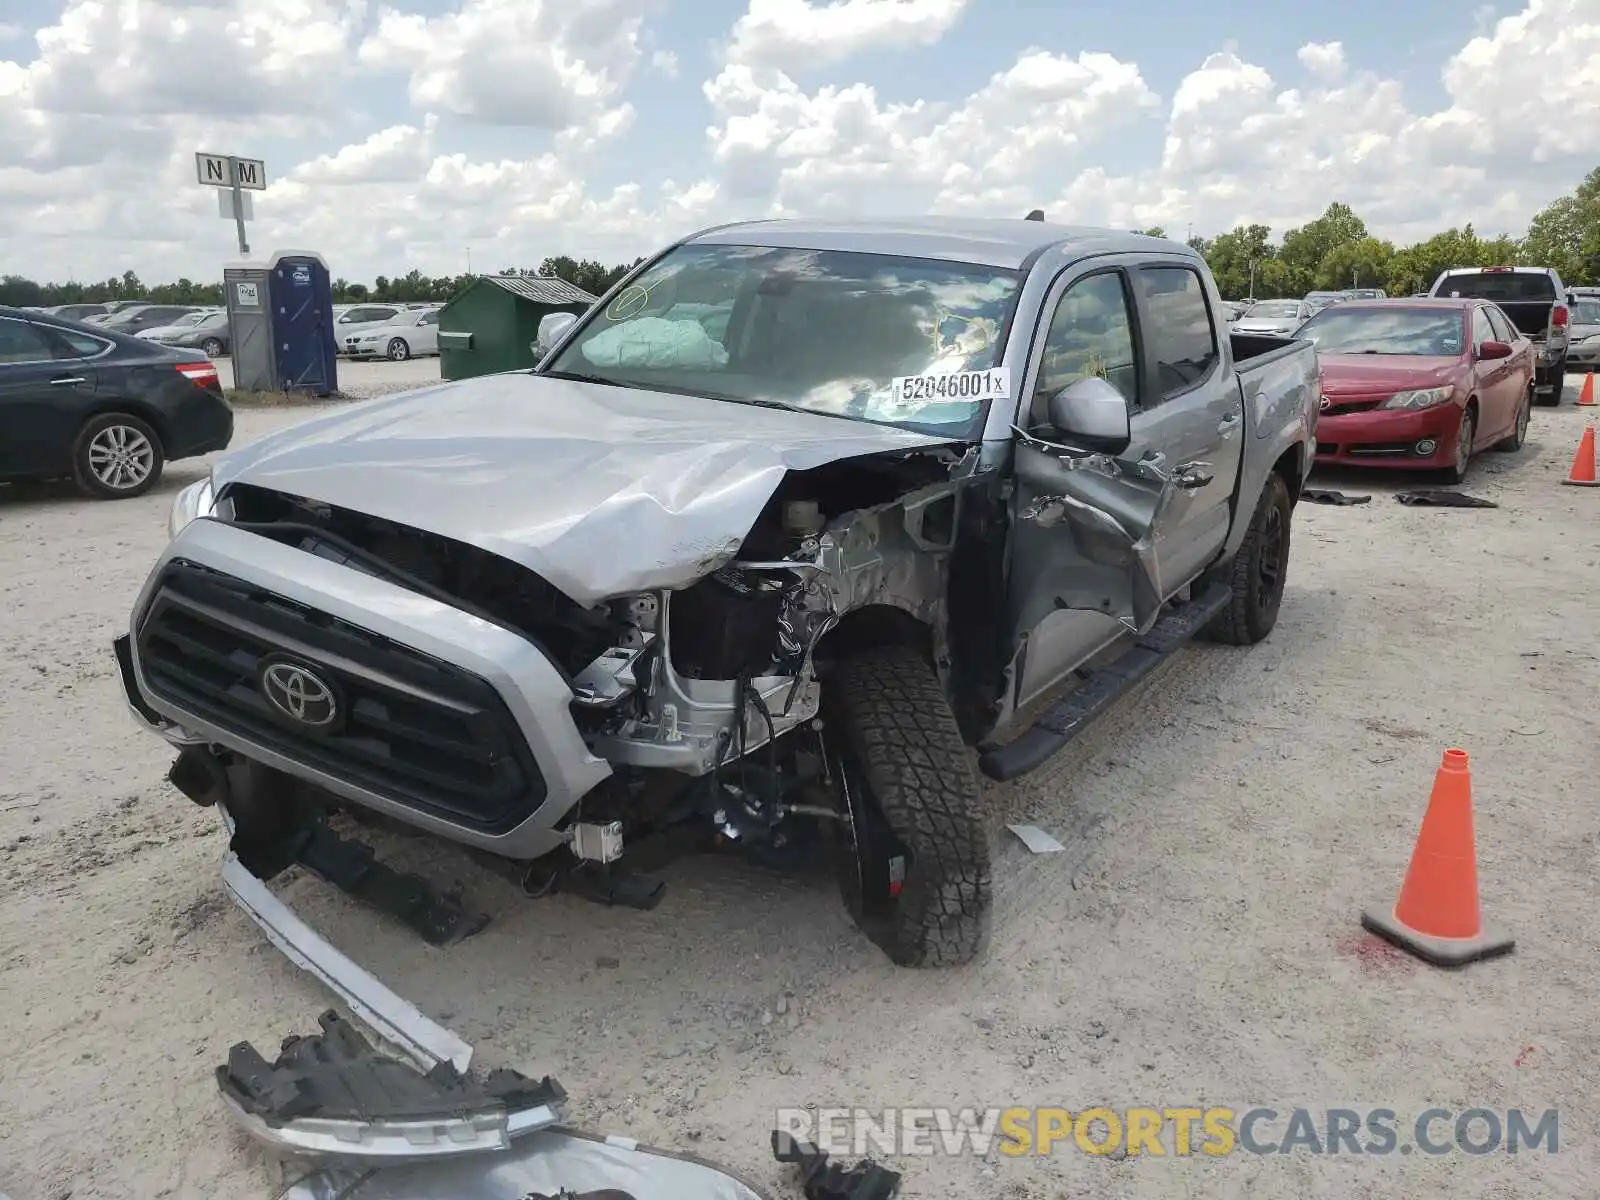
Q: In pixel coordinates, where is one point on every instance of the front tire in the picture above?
(1518, 437)
(1257, 574)
(1466, 434)
(399, 351)
(116, 457)
(213, 348)
(917, 876)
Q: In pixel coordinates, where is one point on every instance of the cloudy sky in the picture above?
(422, 132)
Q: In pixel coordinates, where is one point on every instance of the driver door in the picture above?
(1094, 534)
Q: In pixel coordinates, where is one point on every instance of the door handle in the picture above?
(1229, 421)
(67, 379)
(1193, 475)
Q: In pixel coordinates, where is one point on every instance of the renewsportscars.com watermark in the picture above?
(1170, 1130)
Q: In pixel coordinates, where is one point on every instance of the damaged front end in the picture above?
(461, 692)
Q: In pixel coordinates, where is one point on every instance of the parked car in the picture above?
(358, 318)
(76, 312)
(1583, 346)
(133, 321)
(102, 408)
(187, 321)
(113, 307)
(1420, 384)
(1273, 318)
(412, 332)
(209, 331)
(1535, 300)
(1365, 294)
(772, 587)
(1317, 301)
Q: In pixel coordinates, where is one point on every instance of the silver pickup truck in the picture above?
(792, 520)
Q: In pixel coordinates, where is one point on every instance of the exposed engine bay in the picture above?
(706, 699)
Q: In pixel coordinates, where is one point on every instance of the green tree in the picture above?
(1416, 267)
(1565, 234)
(1231, 256)
(1305, 248)
(1361, 263)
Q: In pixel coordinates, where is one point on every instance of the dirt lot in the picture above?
(1197, 944)
(367, 378)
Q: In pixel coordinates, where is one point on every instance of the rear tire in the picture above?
(116, 457)
(906, 779)
(1257, 573)
(1558, 379)
(1518, 437)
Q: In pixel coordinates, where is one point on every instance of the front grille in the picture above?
(1349, 404)
(412, 728)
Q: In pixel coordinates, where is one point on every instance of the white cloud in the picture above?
(791, 34)
(398, 154)
(1325, 60)
(519, 108)
(540, 63)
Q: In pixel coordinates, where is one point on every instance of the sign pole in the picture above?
(238, 206)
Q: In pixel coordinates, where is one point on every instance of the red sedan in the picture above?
(1419, 384)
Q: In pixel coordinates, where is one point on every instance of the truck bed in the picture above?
(1272, 371)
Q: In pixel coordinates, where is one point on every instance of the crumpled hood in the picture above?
(600, 490)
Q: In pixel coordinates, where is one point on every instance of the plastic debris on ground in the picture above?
(1036, 839)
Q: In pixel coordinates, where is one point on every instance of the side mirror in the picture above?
(551, 327)
(1492, 350)
(1092, 414)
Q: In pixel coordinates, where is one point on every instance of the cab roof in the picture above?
(983, 241)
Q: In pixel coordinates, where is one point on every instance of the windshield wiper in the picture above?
(580, 377)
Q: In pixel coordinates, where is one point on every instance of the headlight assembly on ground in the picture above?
(196, 500)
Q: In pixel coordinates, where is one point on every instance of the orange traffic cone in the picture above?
(1586, 396)
(1437, 916)
(1582, 474)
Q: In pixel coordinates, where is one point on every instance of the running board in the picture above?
(1103, 686)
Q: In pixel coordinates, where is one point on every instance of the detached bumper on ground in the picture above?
(1422, 439)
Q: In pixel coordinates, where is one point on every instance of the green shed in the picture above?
(491, 326)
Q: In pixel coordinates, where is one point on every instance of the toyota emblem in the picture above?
(299, 694)
(1325, 404)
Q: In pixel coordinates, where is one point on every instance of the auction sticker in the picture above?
(992, 384)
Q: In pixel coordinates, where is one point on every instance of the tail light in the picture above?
(1559, 316)
(202, 375)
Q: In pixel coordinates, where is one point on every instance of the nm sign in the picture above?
(216, 170)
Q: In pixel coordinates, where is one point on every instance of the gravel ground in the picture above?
(364, 380)
(1196, 944)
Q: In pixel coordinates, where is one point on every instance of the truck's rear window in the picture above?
(1509, 286)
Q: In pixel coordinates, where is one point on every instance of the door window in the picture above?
(1502, 327)
(22, 343)
(1482, 331)
(1090, 335)
(431, 318)
(1183, 341)
(79, 345)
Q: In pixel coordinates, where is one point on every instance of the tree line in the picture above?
(1332, 252)
(593, 277)
(1335, 251)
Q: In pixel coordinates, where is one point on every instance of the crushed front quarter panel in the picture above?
(602, 491)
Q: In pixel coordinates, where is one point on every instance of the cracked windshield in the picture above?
(825, 331)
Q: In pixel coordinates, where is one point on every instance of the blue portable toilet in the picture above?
(281, 315)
